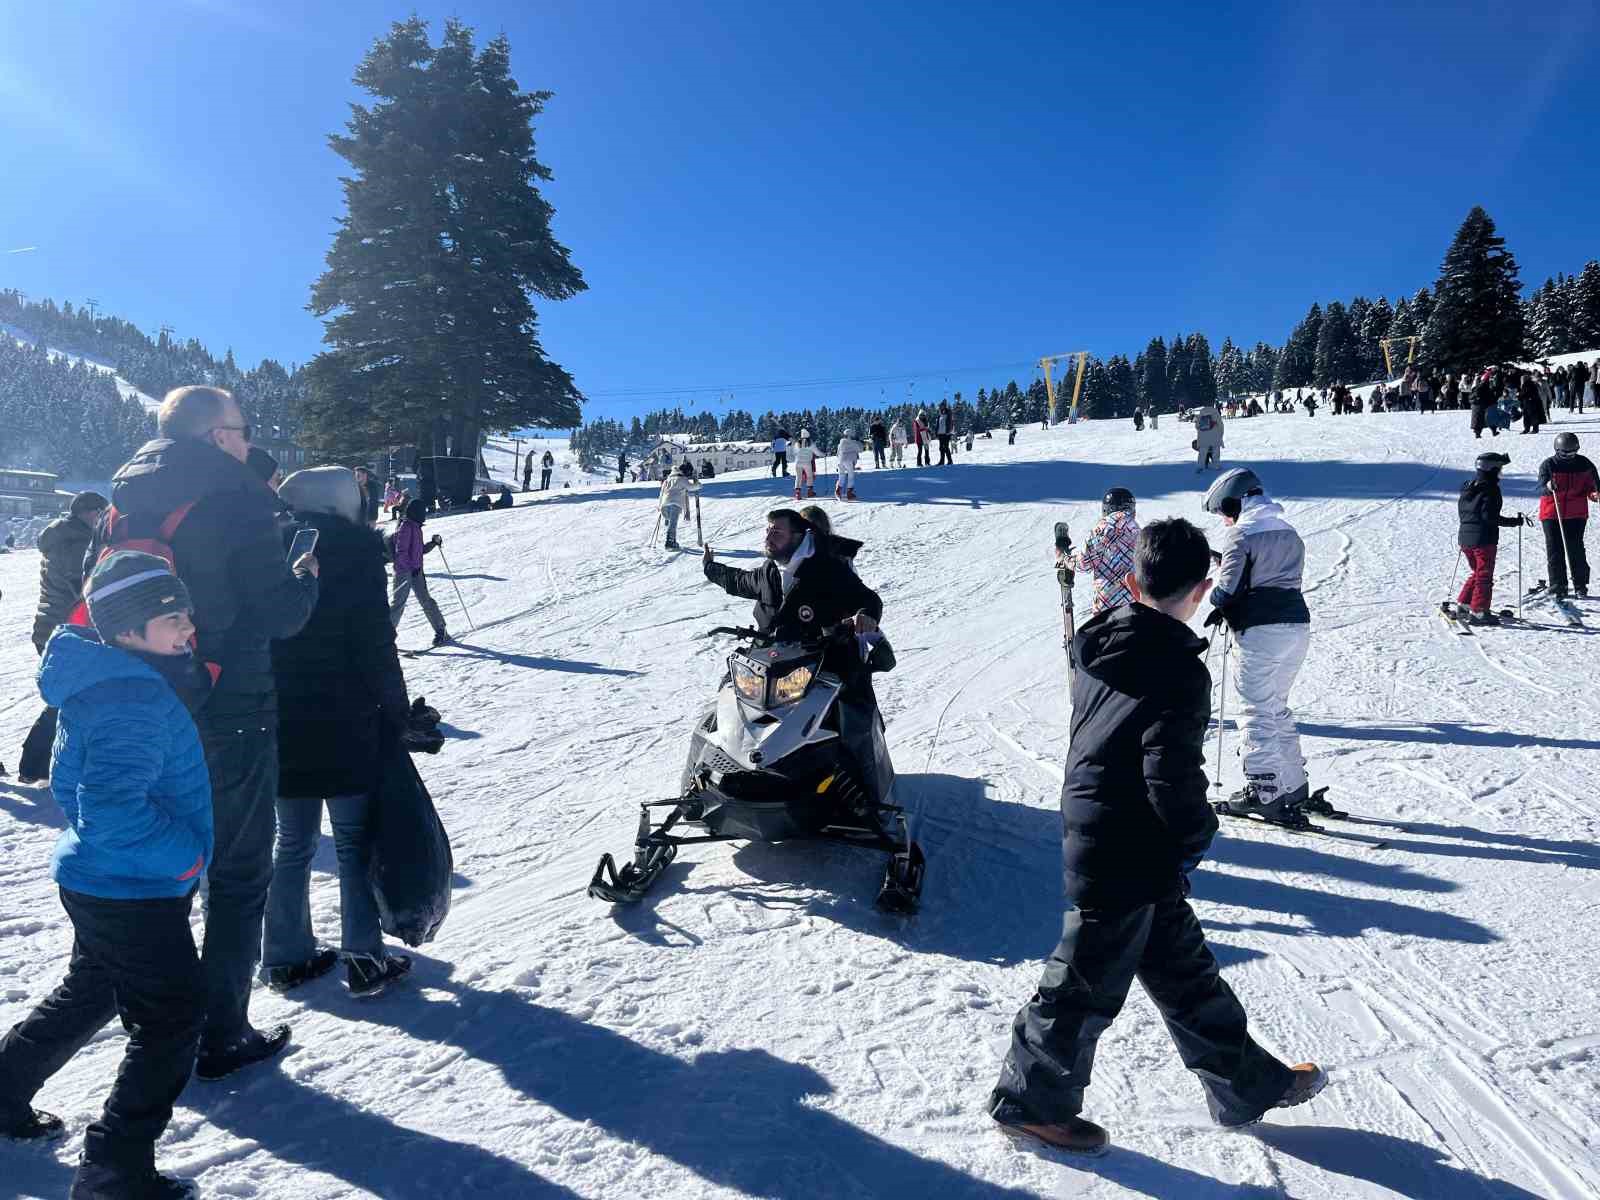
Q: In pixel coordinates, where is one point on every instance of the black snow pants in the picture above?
(1556, 561)
(133, 959)
(1084, 986)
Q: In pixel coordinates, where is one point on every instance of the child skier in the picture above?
(131, 780)
(1107, 553)
(1136, 825)
(408, 573)
(1479, 536)
(805, 466)
(1258, 594)
(849, 453)
(1567, 482)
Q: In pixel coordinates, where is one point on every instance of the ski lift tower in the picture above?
(1047, 365)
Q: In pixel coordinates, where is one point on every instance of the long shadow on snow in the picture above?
(977, 484)
(1444, 733)
(1401, 1167)
(464, 649)
(298, 1124)
(32, 806)
(993, 893)
(738, 1118)
(34, 1170)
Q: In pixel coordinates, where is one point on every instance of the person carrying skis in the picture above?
(849, 454)
(676, 489)
(1567, 482)
(1258, 595)
(897, 445)
(1478, 511)
(408, 574)
(1107, 552)
(1135, 825)
(805, 466)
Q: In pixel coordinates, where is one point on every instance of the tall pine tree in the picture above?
(1154, 392)
(1477, 315)
(426, 299)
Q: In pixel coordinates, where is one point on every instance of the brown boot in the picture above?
(1071, 1134)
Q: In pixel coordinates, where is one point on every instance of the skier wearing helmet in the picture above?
(1479, 512)
(1567, 482)
(1258, 594)
(1207, 437)
(1107, 553)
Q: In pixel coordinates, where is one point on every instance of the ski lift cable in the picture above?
(801, 384)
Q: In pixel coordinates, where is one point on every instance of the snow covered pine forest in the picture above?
(757, 1028)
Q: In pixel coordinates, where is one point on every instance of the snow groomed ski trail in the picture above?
(757, 1028)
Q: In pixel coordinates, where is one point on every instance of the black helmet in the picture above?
(1117, 499)
(1230, 488)
(1490, 462)
(1566, 443)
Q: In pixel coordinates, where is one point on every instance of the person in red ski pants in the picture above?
(1478, 510)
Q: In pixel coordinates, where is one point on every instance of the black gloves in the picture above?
(1214, 617)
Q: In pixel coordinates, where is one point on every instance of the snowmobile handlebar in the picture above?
(755, 636)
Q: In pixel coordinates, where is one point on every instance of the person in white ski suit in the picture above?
(849, 452)
(1258, 593)
(676, 489)
(897, 445)
(805, 466)
(1107, 554)
(1207, 436)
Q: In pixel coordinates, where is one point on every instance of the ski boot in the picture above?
(797, 493)
(837, 494)
(811, 493)
(1278, 810)
(850, 495)
(1313, 803)
(1483, 618)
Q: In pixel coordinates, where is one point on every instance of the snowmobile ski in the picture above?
(1454, 619)
(1222, 810)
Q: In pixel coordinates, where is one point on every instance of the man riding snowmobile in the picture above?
(794, 746)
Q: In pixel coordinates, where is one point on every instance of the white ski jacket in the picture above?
(676, 489)
(849, 451)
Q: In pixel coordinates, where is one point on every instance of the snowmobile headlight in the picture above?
(792, 686)
(750, 684)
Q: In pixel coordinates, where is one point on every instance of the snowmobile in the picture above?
(781, 756)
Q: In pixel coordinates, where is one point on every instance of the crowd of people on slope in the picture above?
(210, 698)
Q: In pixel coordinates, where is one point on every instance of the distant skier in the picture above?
(880, 440)
(546, 466)
(1011, 433)
(1135, 826)
(897, 445)
(676, 489)
(1107, 552)
(780, 454)
(622, 466)
(849, 453)
(805, 466)
(1138, 420)
(1207, 436)
(944, 427)
(409, 549)
(527, 473)
(1258, 595)
(921, 435)
(1571, 478)
(1478, 511)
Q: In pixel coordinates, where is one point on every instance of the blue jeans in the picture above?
(287, 939)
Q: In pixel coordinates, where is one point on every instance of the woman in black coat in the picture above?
(340, 694)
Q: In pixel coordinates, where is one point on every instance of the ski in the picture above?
(1222, 810)
(1318, 805)
(1454, 619)
(1064, 577)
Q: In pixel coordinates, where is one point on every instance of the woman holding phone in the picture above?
(340, 692)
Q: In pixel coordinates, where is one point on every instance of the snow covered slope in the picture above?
(505, 462)
(126, 389)
(758, 1029)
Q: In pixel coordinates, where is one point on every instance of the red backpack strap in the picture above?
(174, 519)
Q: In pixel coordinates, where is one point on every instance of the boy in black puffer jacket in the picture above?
(1135, 823)
(1478, 510)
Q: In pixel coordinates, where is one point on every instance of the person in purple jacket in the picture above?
(409, 547)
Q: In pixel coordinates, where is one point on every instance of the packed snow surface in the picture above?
(757, 1028)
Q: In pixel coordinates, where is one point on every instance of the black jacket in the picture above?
(1479, 513)
(62, 547)
(230, 553)
(1133, 803)
(825, 592)
(339, 677)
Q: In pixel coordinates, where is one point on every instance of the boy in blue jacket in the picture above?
(129, 773)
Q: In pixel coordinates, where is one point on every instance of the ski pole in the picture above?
(1566, 551)
(1520, 524)
(1222, 709)
(465, 611)
(1454, 567)
(699, 529)
(657, 529)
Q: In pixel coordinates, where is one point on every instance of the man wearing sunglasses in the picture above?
(190, 490)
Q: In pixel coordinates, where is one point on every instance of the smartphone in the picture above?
(305, 542)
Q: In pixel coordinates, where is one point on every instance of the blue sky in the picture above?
(761, 192)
